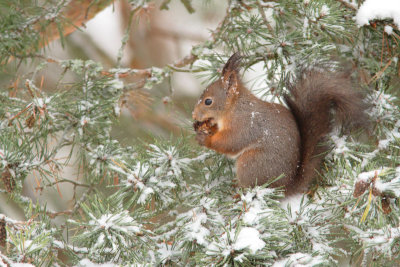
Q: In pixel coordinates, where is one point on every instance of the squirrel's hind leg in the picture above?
(256, 167)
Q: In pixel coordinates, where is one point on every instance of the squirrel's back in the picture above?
(318, 100)
(268, 140)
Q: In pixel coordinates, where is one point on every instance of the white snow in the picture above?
(100, 241)
(84, 105)
(381, 240)
(324, 11)
(293, 202)
(116, 84)
(40, 102)
(84, 120)
(305, 27)
(28, 246)
(254, 209)
(388, 29)
(146, 192)
(392, 186)
(249, 238)
(207, 202)
(196, 231)
(384, 144)
(117, 110)
(252, 215)
(169, 157)
(239, 258)
(120, 222)
(378, 9)
(340, 144)
(300, 260)
(88, 263)
(367, 176)
(166, 252)
(136, 177)
(104, 221)
(6, 262)
(9, 220)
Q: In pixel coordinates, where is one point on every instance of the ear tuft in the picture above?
(230, 75)
(232, 65)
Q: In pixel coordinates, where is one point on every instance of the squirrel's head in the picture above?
(217, 97)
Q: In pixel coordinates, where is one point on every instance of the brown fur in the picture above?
(268, 139)
(313, 97)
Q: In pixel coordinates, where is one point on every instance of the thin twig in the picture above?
(63, 181)
(266, 22)
(81, 200)
(19, 113)
(347, 4)
(379, 74)
(59, 213)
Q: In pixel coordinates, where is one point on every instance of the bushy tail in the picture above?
(318, 100)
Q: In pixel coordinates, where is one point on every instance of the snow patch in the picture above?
(146, 192)
(249, 238)
(120, 222)
(324, 11)
(340, 144)
(378, 9)
(166, 252)
(388, 29)
(88, 263)
(367, 176)
(392, 186)
(300, 260)
(294, 202)
(196, 231)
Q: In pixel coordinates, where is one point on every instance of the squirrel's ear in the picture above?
(230, 73)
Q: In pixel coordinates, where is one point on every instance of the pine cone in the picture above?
(385, 201)
(360, 188)
(30, 122)
(8, 180)
(3, 232)
(205, 127)
(376, 191)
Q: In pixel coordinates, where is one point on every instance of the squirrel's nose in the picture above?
(195, 114)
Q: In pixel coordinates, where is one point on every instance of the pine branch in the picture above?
(348, 5)
(170, 202)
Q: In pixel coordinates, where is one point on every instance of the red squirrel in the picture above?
(269, 139)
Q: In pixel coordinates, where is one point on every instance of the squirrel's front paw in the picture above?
(201, 138)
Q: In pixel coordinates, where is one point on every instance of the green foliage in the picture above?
(171, 202)
(23, 24)
(110, 233)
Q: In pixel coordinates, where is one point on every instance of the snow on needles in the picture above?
(195, 231)
(111, 230)
(378, 9)
(249, 238)
(120, 222)
(87, 263)
(300, 260)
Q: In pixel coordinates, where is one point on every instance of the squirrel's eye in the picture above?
(208, 101)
